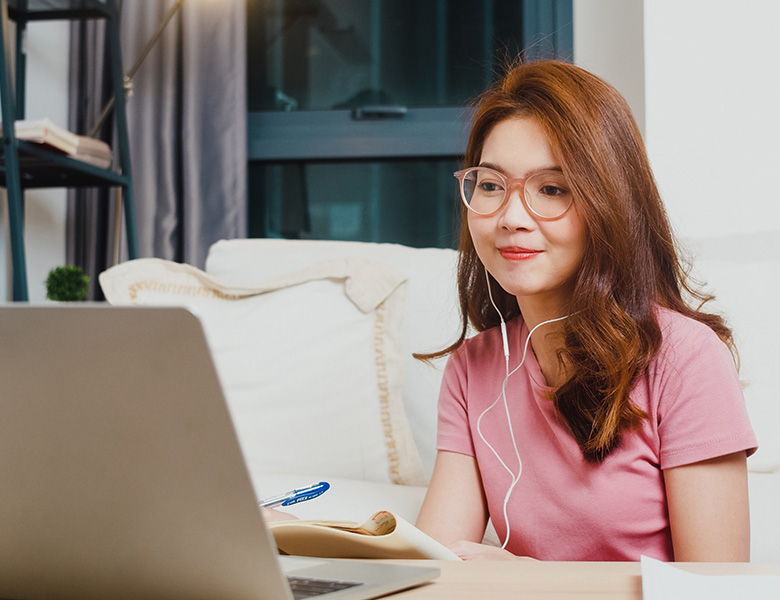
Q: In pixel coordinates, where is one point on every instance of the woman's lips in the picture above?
(518, 253)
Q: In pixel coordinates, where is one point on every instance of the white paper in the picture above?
(663, 581)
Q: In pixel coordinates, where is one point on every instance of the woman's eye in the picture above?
(553, 191)
(489, 187)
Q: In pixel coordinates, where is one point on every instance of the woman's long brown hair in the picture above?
(630, 265)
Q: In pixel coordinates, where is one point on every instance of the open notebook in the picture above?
(121, 473)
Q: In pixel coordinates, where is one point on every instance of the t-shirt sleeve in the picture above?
(454, 433)
(701, 411)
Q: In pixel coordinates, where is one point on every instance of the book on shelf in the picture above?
(382, 535)
(49, 134)
(94, 152)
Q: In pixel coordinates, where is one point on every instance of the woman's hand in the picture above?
(473, 551)
(271, 514)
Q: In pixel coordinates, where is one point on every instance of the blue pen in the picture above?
(295, 496)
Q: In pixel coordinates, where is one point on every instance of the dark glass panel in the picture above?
(324, 54)
(407, 202)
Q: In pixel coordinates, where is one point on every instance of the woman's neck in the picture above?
(548, 339)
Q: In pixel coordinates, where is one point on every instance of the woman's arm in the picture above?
(455, 512)
(454, 507)
(708, 509)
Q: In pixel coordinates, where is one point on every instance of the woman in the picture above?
(596, 416)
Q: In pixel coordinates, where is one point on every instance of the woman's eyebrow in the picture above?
(491, 166)
(495, 167)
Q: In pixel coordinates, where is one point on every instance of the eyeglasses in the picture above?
(485, 191)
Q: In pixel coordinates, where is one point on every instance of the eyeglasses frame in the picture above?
(510, 183)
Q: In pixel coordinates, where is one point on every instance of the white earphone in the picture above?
(505, 340)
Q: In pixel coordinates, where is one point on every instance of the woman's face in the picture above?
(529, 257)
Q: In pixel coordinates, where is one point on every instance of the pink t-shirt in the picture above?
(564, 508)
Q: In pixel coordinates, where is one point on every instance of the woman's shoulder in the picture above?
(685, 337)
(677, 327)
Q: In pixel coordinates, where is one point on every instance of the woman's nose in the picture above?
(515, 213)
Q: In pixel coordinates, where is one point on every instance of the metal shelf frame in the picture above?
(25, 165)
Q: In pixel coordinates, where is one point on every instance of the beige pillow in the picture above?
(309, 361)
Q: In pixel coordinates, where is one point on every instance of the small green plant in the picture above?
(67, 283)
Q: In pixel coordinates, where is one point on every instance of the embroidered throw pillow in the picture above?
(309, 361)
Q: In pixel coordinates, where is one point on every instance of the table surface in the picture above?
(519, 580)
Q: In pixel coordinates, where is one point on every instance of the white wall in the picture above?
(710, 101)
(609, 41)
(47, 88)
(712, 72)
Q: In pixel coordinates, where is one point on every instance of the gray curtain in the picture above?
(187, 127)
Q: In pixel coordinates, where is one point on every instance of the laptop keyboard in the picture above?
(305, 587)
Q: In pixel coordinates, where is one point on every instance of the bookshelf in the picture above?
(27, 165)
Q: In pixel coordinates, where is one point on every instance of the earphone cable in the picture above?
(505, 341)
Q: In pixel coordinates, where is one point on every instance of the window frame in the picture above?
(336, 135)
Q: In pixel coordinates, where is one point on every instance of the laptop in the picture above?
(120, 472)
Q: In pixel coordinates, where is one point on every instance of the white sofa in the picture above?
(313, 342)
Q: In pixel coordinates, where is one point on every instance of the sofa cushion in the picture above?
(309, 361)
(764, 490)
(431, 316)
(743, 272)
